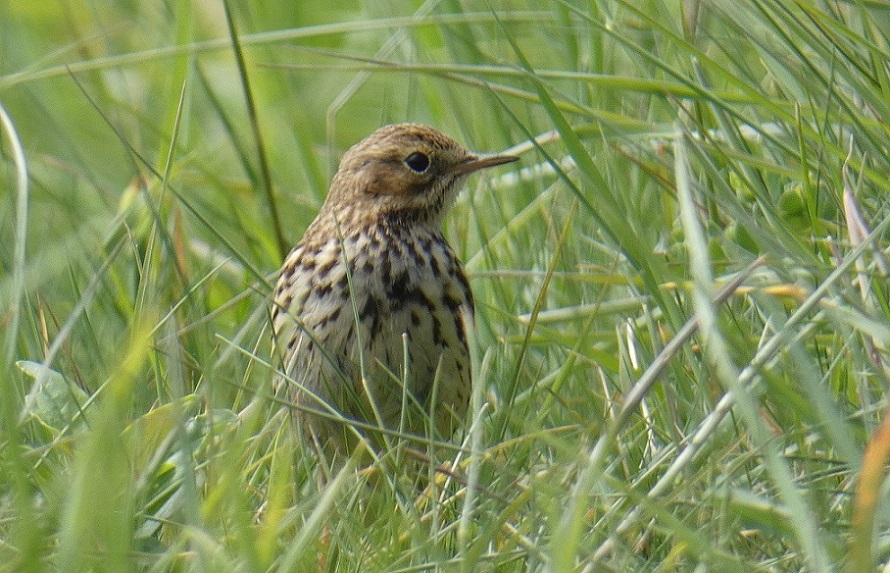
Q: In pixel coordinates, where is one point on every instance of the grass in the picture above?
(682, 297)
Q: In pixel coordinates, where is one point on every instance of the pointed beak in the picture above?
(476, 162)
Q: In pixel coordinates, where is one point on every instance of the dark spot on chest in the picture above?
(288, 272)
(386, 270)
(398, 290)
(438, 335)
(325, 268)
(372, 311)
(322, 289)
(331, 316)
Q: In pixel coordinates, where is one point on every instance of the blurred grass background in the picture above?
(158, 159)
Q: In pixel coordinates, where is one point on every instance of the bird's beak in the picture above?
(476, 162)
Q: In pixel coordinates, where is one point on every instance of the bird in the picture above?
(372, 307)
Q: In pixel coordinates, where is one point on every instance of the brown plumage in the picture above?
(372, 306)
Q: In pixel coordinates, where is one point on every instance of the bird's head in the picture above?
(407, 173)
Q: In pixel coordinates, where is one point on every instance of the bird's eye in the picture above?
(417, 162)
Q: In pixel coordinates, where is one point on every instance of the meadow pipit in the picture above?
(372, 306)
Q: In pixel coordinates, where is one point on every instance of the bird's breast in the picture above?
(383, 302)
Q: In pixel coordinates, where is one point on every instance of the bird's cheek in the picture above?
(378, 184)
(394, 186)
